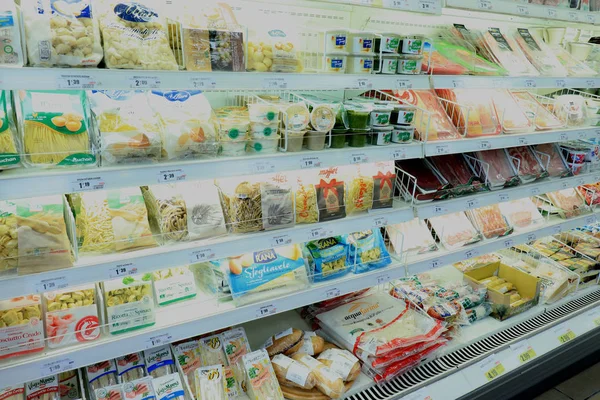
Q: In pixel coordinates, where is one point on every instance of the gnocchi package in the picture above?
(235, 344)
(135, 36)
(367, 251)
(21, 330)
(159, 361)
(129, 303)
(173, 284)
(71, 316)
(190, 125)
(327, 258)
(42, 389)
(261, 378)
(9, 147)
(61, 33)
(11, 54)
(128, 130)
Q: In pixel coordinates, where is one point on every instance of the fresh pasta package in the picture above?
(129, 303)
(54, 127)
(359, 190)
(173, 284)
(190, 125)
(367, 251)
(9, 249)
(42, 389)
(128, 131)
(262, 381)
(327, 258)
(265, 273)
(10, 154)
(21, 328)
(277, 202)
(62, 33)
(330, 194)
(184, 211)
(383, 184)
(307, 209)
(135, 36)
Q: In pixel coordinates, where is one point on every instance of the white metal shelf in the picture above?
(193, 318)
(20, 183)
(511, 82)
(526, 10)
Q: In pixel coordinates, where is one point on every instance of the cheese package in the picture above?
(62, 33)
(262, 381)
(210, 383)
(159, 361)
(10, 154)
(235, 344)
(130, 367)
(292, 373)
(187, 356)
(211, 351)
(21, 330)
(139, 389)
(11, 55)
(71, 316)
(42, 389)
(129, 303)
(327, 381)
(173, 284)
(168, 387)
(101, 374)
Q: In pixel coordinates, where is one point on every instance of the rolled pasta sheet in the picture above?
(42, 389)
(101, 374)
(159, 361)
(10, 154)
(16, 392)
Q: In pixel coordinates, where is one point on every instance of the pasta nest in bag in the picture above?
(245, 208)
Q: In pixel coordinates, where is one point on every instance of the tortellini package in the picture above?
(328, 258)
(135, 36)
(61, 33)
(21, 330)
(367, 250)
(129, 303)
(189, 121)
(173, 284)
(9, 150)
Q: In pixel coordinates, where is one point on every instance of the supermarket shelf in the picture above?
(442, 207)
(526, 10)
(59, 78)
(20, 183)
(511, 82)
(193, 318)
(436, 148)
(423, 6)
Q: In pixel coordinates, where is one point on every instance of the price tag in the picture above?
(401, 4)
(398, 154)
(203, 83)
(523, 10)
(265, 311)
(522, 141)
(485, 145)
(509, 243)
(358, 158)
(561, 83)
(122, 270)
(590, 83)
(281, 240)
(551, 12)
(87, 184)
(427, 6)
(502, 197)
(380, 222)
(331, 293)
(201, 255)
(581, 135)
(580, 181)
(531, 237)
(563, 137)
(530, 83)
(171, 175)
(564, 334)
(159, 340)
(275, 83)
(590, 18)
(491, 368)
(590, 220)
(317, 233)
(363, 83)
(557, 229)
(594, 315)
(439, 210)
(484, 5)
(435, 263)
(564, 185)
(366, 2)
(458, 83)
(262, 167)
(383, 279)
(75, 82)
(535, 191)
(421, 394)
(310, 162)
(471, 253)
(58, 366)
(573, 16)
(403, 84)
(472, 203)
(523, 351)
(144, 82)
(49, 284)
(442, 149)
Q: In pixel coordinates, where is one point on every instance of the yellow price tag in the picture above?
(567, 336)
(495, 372)
(527, 355)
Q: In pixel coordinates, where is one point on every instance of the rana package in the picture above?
(21, 330)
(367, 251)
(327, 258)
(129, 303)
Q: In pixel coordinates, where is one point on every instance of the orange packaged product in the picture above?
(21, 328)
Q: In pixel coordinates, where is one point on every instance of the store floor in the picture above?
(583, 386)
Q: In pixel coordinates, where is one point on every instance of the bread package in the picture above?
(292, 373)
(328, 381)
(341, 362)
(286, 341)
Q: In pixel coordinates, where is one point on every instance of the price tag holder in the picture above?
(491, 368)
(573, 16)
(594, 316)
(171, 175)
(384, 278)
(429, 6)
(46, 285)
(563, 333)
(144, 82)
(522, 141)
(265, 311)
(563, 137)
(201, 255)
(485, 5)
(523, 351)
(590, 18)
(358, 158)
(435, 263)
(310, 162)
(509, 243)
(590, 220)
(472, 203)
(551, 12)
(590, 83)
(75, 82)
(159, 340)
(557, 229)
(561, 83)
(403, 83)
(580, 181)
(380, 222)
(364, 83)
(398, 154)
(471, 253)
(87, 184)
(502, 197)
(262, 167)
(56, 367)
(275, 83)
(317, 233)
(485, 145)
(281, 240)
(203, 83)
(442, 149)
(535, 191)
(421, 394)
(531, 237)
(333, 292)
(498, 83)
(530, 83)
(523, 10)
(458, 83)
(439, 210)
(122, 270)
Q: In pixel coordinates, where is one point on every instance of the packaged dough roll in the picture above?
(101, 374)
(10, 154)
(210, 383)
(130, 367)
(235, 344)
(211, 351)
(341, 362)
(21, 330)
(159, 361)
(61, 33)
(262, 382)
(327, 381)
(292, 373)
(42, 389)
(135, 36)
(311, 345)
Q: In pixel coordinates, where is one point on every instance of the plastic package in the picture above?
(490, 221)
(568, 202)
(315, 140)
(261, 378)
(159, 361)
(168, 387)
(367, 251)
(455, 169)
(435, 63)
(114, 392)
(327, 258)
(291, 141)
(330, 191)
(135, 37)
(173, 284)
(384, 176)
(521, 214)
(542, 118)
(235, 344)
(211, 351)
(389, 64)
(242, 204)
(454, 230)
(409, 65)
(71, 316)
(342, 362)
(189, 124)
(539, 54)
(210, 383)
(42, 389)
(101, 374)
(530, 168)
(388, 43)
(501, 172)
(428, 186)
(511, 115)
(360, 64)
(187, 356)
(571, 109)
(464, 57)
(11, 55)
(21, 331)
(411, 237)
(275, 50)
(359, 190)
(130, 367)
(129, 303)
(473, 113)
(62, 33)
(361, 42)
(55, 128)
(327, 381)
(9, 146)
(574, 66)
(16, 392)
(140, 389)
(129, 133)
(307, 209)
(507, 53)
(292, 373)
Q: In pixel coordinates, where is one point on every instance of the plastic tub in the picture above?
(297, 116)
(233, 149)
(335, 63)
(267, 145)
(574, 156)
(358, 118)
(233, 129)
(361, 43)
(409, 65)
(260, 129)
(402, 115)
(388, 43)
(381, 135)
(360, 64)
(294, 141)
(380, 116)
(322, 118)
(403, 133)
(338, 138)
(389, 64)
(315, 140)
(412, 44)
(358, 137)
(336, 41)
(266, 113)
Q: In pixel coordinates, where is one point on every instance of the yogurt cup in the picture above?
(294, 141)
(315, 140)
(381, 135)
(335, 63)
(412, 44)
(266, 145)
(360, 64)
(403, 133)
(409, 65)
(361, 43)
(389, 64)
(233, 149)
(322, 118)
(260, 129)
(336, 41)
(403, 115)
(388, 43)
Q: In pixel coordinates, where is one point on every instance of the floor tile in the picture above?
(552, 394)
(582, 385)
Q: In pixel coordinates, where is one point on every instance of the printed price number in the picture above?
(331, 293)
(380, 222)
(55, 367)
(485, 5)
(522, 141)
(75, 82)
(364, 83)
(491, 368)
(275, 83)
(399, 154)
(590, 18)
(523, 351)
(563, 137)
(564, 185)
(51, 284)
(403, 84)
(201, 255)
(172, 175)
(485, 145)
(552, 12)
(523, 10)
(580, 181)
(317, 233)
(122, 270)
(358, 158)
(567, 336)
(531, 237)
(439, 210)
(141, 82)
(509, 243)
(310, 162)
(590, 83)
(435, 263)
(458, 83)
(203, 83)
(471, 253)
(403, 4)
(530, 83)
(427, 6)
(442, 149)
(472, 203)
(581, 135)
(557, 229)
(265, 311)
(159, 340)
(262, 167)
(503, 197)
(381, 279)
(87, 184)
(590, 220)
(561, 83)
(281, 240)
(573, 16)
(535, 191)
(526, 356)
(597, 321)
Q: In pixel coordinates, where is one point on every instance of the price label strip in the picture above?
(58, 366)
(159, 340)
(265, 311)
(310, 162)
(171, 175)
(275, 83)
(201, 255)
(491, 368)
(567, 336)
(203, 83)
(358, 158)
(88, 184)
(122, 270)
(333, 292)
(281, 240)
(49, 284)
(75, 82)
(261, 167)
(144, 82)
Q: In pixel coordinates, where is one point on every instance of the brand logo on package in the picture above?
(368, 64)
(177, 96)
(134, 12)
(277, 33)
(265, 256)
(337, 63)
(360, 308)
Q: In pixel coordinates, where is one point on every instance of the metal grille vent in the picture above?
(433, 370)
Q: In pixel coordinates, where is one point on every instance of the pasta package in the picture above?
(159, 361)
(211, 383)
(129, 303)
(262, 381)
(42, 389)
(11, 55)
(211, 351)
(242, 205)
(190, 125)
(383, 184)
(328, 258)
(9, 147)
(16, 392)
(9, 243)
(307, 209)
(135, 37)
(367, 251)
(130, 367)
(112, 220)
(235, 344)
(54, 126)
(330, 195)
(359, 191)
(277, 202)
(173, 284)
(71, 316)
(101, 374)
(187, 355)
(139, 389)
(168, 387)
(129, 133)
(61, 33)
(21, 330)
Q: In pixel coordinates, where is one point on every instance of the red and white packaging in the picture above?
(12, 393)
(46, 387)
(21, 328)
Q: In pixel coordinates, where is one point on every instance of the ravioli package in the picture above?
(21, 328)
(367, 251)
(265, 273)
(129, 303)
(190, 125)
(135, 36)
(10, 156)
(62, 33)
(327, 258)
(173, 284)
(54, 127)
(128, 132)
